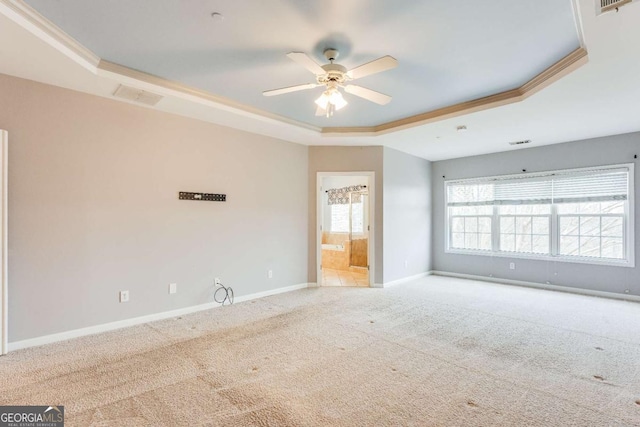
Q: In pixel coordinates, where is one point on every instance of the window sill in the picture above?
(575, 260)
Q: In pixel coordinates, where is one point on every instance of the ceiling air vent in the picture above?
(526, 141)
(137, 95)
(603, 6)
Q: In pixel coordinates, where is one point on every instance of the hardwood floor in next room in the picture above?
(345, 278)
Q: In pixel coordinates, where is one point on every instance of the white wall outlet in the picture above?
(173, 288)
(217, 281)
(270, 274)
(512, 266)
(124, 296)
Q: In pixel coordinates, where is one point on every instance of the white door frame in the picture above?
(4, 213)
(371, 244)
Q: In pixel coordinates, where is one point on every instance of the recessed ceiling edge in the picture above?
(45, 30)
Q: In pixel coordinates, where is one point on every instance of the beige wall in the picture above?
(345, 159)
(93, 209)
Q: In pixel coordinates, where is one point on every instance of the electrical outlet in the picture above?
(173, 288)
(124, 296)
(270, 274)
(512, 266)
(217, 281)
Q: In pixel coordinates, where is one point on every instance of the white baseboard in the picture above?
(404, 280)
(91, 330)
(536, 285)
(271, 292)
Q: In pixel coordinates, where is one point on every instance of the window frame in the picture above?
(554, 231)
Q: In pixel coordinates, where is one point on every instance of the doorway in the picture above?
(345, 207)
(4, 331)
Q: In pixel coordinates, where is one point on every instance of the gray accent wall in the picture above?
(345, 159)
(407, 215)
(593, 152)
(94, 209)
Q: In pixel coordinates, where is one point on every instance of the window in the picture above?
(592, 229)
(471, 227)
(357, 217)
(340, 218)
(525, 229)
(572, 215)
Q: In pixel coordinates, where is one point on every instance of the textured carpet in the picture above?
(434, 352)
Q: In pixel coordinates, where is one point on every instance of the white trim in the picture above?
(577, 17)
(630, 220)
(105, 327)
(406, 279)
(547, 258)
(28, 18)
(546, 286)
(371, 176)
(271, 292)
(4, 265)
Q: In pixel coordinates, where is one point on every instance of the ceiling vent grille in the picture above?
(604, 6)
(526, 141)
(137, 95)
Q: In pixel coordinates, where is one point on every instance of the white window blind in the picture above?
(591, 187)
(523, 191)
(562, 187)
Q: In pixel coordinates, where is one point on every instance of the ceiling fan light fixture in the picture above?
(334, 76)
(331, 100)
(323, 101)
(337, 100)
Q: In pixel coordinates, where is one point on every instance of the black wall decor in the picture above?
(209, 197)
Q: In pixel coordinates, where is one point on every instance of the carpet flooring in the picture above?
(433, 352)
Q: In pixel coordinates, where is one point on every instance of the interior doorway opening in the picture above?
(345, 229)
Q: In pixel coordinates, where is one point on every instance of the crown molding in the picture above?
(566, 65)
(28, 18)
(166, 87)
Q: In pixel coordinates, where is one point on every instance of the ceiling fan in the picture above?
(334, 76)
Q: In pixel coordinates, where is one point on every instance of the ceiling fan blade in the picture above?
(308, 63)
(289, 89)
(376, 66)
(368, 94)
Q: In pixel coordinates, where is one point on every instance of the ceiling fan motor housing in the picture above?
(334, 73)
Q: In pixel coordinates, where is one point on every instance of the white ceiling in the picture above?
(448, 52)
